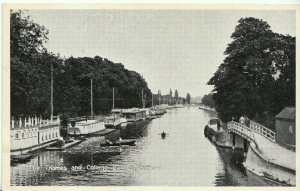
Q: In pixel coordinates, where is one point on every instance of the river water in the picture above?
(184, 158)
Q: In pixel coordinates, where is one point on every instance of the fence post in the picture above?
(25, 122)
(12, 122)
(20, 122)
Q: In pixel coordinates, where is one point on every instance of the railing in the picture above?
(75, 119)
(240, 129)
(33, 122)
(264, 131)
(95, 117)
(247, 132)
(83, 118)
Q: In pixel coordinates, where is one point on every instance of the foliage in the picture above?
(31, 77)
(208, 100)
(176, 96)
(188, 98)
(258, 73)
(26, 37)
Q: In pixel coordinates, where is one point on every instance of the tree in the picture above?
(29, 74)
(188, 98)
(31, 77)
(251, 78)
(176, 96)
(26, 37)
(208, 100)
(170, 94)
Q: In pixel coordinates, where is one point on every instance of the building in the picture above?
(285, 127)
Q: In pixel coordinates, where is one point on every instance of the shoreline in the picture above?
(255, 161)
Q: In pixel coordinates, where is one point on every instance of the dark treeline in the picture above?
(257, 77)
(208, 100)
(31, 77)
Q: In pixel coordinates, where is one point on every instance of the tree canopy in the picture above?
(208, 100)
(258, 73)
(188, 98)
(31, 77)
(176, 96)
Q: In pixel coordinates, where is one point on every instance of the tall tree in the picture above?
(176, 96)
(248, 81)
(188, 98)
(26, 37)
(29, 67)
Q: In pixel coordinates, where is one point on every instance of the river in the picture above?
(184, 158)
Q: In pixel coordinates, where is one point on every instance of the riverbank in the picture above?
(184, 158)
(264, 157)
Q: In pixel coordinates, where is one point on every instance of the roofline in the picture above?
(286, 119)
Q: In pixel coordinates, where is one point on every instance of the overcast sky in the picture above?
(177, 49)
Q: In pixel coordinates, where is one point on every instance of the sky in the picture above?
(171, 49)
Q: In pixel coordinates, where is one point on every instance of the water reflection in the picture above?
(184, 158)
(135, 130)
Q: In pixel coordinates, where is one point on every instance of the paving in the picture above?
(275, 153)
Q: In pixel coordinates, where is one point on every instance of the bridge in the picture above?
(249, 132)
(265, 142)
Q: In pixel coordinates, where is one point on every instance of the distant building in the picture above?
(285, 127)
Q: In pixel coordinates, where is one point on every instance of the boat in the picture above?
(157, 111)
(207, 108)
(20, 158)
(94, 151)
(65, 146)
(129, 142)
(85, 127)
(115, 120)
(153, 117)
(214, 123)
(134, 114)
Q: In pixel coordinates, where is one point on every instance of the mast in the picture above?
(51, 117)
(113, 98)
(92, 98)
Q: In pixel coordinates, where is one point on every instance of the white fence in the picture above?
(34, 121)
(247, 132)
(241, 130)
(264, 131)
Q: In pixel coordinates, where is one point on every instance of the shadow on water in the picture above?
(234, 173)
(86, 158)
(135, 130)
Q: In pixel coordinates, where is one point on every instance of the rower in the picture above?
(163, 135)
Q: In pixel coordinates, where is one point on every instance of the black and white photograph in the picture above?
(145, 96)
